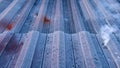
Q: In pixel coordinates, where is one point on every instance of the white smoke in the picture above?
(106, 31)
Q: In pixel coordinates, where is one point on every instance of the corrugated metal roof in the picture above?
(59, 34)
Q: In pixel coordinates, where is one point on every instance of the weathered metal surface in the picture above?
(59, 34)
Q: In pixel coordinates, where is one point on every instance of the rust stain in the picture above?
(4, 24)
(46, 20)
(14, 46)
(9, 27)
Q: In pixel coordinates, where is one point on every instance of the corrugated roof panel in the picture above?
(59, 34)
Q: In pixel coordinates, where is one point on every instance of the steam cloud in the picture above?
(106, 30)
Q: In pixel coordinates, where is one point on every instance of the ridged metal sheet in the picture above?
(80, 34)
